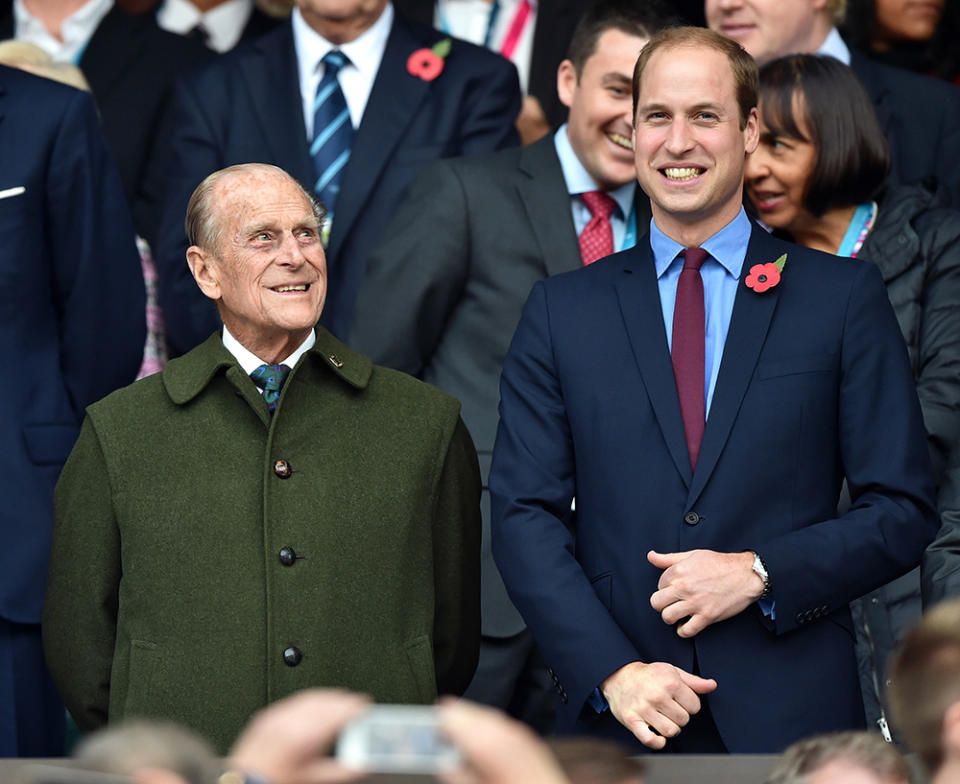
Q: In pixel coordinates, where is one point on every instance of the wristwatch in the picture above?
(761, 570)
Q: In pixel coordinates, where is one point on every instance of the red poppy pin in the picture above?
(428, 63)
(766, 276)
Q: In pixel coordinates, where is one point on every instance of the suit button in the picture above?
(292, 656)
(282, 469)
(691, 518)
(800, 619)
(287, 556)
(563, 697)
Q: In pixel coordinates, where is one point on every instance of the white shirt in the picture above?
(250, 361)
(356, 79)
(834, 46)
(223, 23)
(469, 19)
(76, 30)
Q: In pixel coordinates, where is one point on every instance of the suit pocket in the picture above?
(419, 653)
(603, 588)
(144, 660)
(49, 444)
(792, 366)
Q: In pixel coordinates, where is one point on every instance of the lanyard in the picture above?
(630, 238)
(859, 228)
(518, 24)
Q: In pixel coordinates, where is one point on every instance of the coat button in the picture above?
(800, 619)
(282, 469)
(287, 556)
(691, 518)
(292, 656)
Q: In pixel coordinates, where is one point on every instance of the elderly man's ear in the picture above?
(203, 266)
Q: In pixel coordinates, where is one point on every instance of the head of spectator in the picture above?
(149, 752)
(255, 250)
(341, 21)
(596, 761)
(925, 690)
(841, 758)
(30, 57)
(594, 84)
(768, 29)
(695, 97)
(822, 152)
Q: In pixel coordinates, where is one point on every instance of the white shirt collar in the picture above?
(223, 23)
(578, 179)
(250, 361)
(834, 46)
(76, 30)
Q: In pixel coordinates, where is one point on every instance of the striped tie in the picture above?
(332, 131)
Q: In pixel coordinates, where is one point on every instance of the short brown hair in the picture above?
(925, 680)
(742, 65)
(641, 20)
(865, 750)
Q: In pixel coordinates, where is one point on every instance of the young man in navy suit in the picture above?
(702, 398)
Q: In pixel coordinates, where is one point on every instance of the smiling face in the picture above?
(268, 275)
(600, 105)
(688, 144)
(768, 29)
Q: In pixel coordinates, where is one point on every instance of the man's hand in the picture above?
(287, 742)
(655, 696)
(703, 586)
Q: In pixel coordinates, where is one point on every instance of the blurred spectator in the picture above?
(596, 761)
(129, 63)
(920, 116)
(400, 105)
(220, 24)
(841, 758)
(919, 35)
(941, 562)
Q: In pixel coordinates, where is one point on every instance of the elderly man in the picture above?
(268, 513)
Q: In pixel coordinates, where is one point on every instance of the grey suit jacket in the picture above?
(445, 287)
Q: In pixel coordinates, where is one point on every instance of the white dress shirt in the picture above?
(250, 361)
(223, 24)
(76, 30)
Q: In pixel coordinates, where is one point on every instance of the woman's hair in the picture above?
(853, 157)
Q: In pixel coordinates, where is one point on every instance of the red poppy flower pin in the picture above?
(766, 276)
(428, 63)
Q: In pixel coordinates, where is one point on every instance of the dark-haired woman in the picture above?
(818, 175)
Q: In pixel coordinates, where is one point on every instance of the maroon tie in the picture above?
(596, 239)
(688, 349)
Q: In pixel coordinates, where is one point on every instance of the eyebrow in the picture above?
(615, 76)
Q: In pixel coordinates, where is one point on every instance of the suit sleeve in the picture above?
(531, 488)
(80, 613)
(456, 563)
(416, 274)
(885, 460)
(96, 266)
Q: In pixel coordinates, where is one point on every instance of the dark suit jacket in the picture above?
(247, 107)
(72, 299)
(921, 117)
(443, 305)
(589, 409)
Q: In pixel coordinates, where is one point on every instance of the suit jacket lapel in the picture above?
(749, 323)
(394, 100)
(642, 314)
(544, 195)
(270, 72)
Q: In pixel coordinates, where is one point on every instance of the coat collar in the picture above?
(186, 377)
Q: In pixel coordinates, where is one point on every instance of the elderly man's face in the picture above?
(269, 275)
(767, 29)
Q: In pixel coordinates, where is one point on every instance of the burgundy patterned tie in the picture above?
(687, 350)
(596, 239)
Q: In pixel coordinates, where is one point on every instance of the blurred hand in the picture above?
(288, 741)
(656, 695)
(703, 586)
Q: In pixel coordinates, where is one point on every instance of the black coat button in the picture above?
(282, 469)
(287, 556)
(292, 656)
(691, 518)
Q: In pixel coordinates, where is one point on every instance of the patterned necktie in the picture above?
(270, 379)
(596, 239)
(332, 131)
(687, 350)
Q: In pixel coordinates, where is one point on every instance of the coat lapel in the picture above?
(642, 314)
(394, 100)
(270, 72)
(749, 323)
(544, 196)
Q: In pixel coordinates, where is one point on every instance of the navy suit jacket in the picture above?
(72, 301)
(814, 386)
(247, 107)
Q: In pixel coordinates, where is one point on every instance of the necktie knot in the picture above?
(334, 60)
(600, 204)
(270, 379)
(693, 258)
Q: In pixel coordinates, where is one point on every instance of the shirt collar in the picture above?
(250, 361)
(76, 30)
(834, 46)
(223, 23)
(578, 179)
(365, 51)
(728, 246)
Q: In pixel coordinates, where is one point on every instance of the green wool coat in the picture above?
(168, 596)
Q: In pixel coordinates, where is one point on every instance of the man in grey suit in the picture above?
(444, 289)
